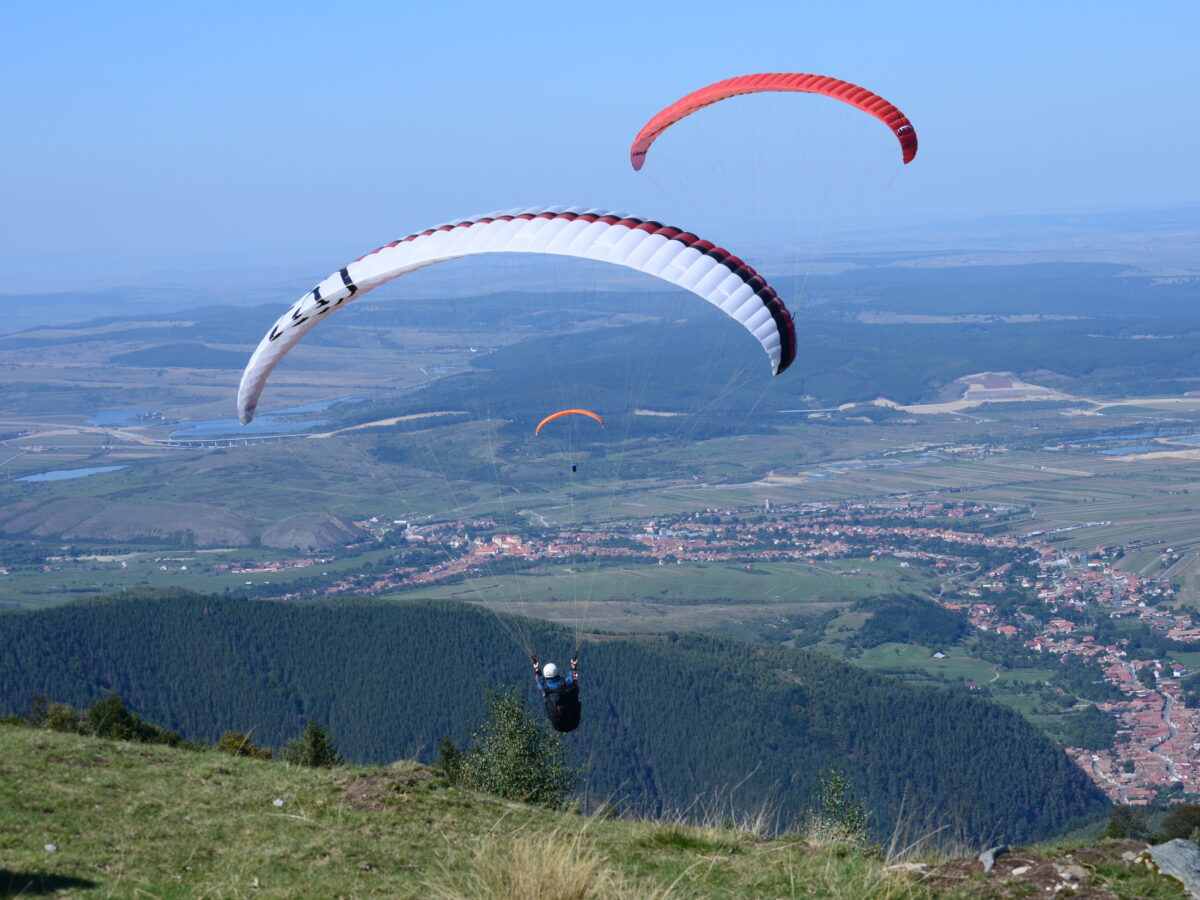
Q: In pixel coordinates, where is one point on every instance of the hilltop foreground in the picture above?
(81, 816)
(669, 718)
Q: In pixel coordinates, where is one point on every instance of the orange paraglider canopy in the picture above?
(567, 412)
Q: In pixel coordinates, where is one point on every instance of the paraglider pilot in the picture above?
(562, 694)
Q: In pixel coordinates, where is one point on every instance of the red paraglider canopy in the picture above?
(856, 96)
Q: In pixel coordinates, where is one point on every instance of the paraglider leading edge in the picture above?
(671, 254)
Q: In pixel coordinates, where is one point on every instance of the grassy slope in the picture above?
(133, 820)
(136, 820)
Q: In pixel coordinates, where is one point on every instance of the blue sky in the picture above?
(193, 132)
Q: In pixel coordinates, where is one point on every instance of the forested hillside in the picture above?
(841, 362)
(668, 722)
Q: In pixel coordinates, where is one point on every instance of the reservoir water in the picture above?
(280, 421)
(67, 474)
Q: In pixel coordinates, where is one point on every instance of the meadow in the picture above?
(766, 600)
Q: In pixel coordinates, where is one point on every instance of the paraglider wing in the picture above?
(777, 81)
(567, 412)
(672, 254)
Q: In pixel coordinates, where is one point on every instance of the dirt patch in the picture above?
(385, 790)
(81, 763)
(1024, 873)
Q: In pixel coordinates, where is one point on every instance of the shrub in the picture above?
(840, 817)
(109, 718)
(61, 717)
(152, 734)
(1179, 823)
(1127, 821)
(516, 756)
(237, 744)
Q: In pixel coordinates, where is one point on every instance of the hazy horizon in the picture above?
(152, 143)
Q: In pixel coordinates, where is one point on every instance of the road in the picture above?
(951, 581)
(1168, 704)
(1171, 729)
(1099, 775)
(50, 429)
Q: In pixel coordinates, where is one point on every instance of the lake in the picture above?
(67, 474)
(275, 422)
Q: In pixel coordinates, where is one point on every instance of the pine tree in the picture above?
(314, 748)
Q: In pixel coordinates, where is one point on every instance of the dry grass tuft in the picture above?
(557, 866)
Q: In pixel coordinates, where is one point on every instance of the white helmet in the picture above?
(550, 670)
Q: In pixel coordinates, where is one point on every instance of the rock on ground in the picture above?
(1180, 860)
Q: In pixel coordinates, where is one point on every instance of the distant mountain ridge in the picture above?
(668, 721)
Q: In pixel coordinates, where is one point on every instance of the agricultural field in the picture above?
(63, 579)
(688, 596)
(957, 665)
(1078, 498)
(1026, 690)
(411, 455)
(906, 658)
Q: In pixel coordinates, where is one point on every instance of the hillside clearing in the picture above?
(131, 820)
(81, 816)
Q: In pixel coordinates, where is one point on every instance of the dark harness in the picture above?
(562, 707)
